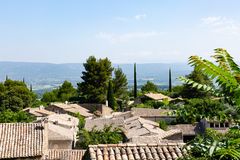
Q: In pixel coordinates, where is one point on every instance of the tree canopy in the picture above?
(95, 78)
(149, 87)
(64, 93)
(15, 95)
(120, 84)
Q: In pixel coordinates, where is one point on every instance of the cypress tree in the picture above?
(135, 81)
(110, 96)
(170, 80)
(31, 87)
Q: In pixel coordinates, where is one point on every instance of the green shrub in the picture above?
(163, 125)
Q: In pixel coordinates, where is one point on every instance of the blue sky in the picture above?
(126, 31)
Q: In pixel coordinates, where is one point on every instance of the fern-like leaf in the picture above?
(225, 61)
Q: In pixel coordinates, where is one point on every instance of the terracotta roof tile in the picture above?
(18, 140)
(149, 112)
(136, 152)
(73, 108)
(157, 96)
(99, 123)
(64, 154)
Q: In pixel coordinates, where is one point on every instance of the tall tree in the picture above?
(170, 80)
(120, 84)
(110, 96)
(135, 81)
(95, 80)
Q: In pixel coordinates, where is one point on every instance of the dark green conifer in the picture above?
(110, 96)
(170, 81)
(135, 81)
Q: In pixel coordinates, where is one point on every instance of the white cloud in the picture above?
(222, 25)
(126, 37)
(137, 17)
(140, 16)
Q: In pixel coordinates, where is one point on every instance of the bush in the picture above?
(9, 116)
(163, 125)
(108, 135)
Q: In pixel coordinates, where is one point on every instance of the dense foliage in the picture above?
(213, 145)
(9, 116)
(15, 95)
(108, 135)
(196, 109)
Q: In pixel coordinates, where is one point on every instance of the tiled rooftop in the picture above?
(157, 96)
(165, 151)
(19, 140)
(136, 126)
(64, 154)
(149, 112)
(99, 123)
(73, 108)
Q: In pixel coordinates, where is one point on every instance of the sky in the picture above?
(125, 31)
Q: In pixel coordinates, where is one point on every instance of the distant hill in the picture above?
(44, 76)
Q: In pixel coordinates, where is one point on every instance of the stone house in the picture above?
(38, 112)
(60, 137)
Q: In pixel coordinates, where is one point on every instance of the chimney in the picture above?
(107, 103)
(41, 107)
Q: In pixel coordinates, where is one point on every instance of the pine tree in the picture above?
(135, 81)
(120, 84)
(110, 96)
(95, 78)
(170, 80)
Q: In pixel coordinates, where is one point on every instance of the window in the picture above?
(222, 125)
(226, 124)
(211, 125)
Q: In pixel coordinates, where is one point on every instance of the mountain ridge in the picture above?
(49, 75)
